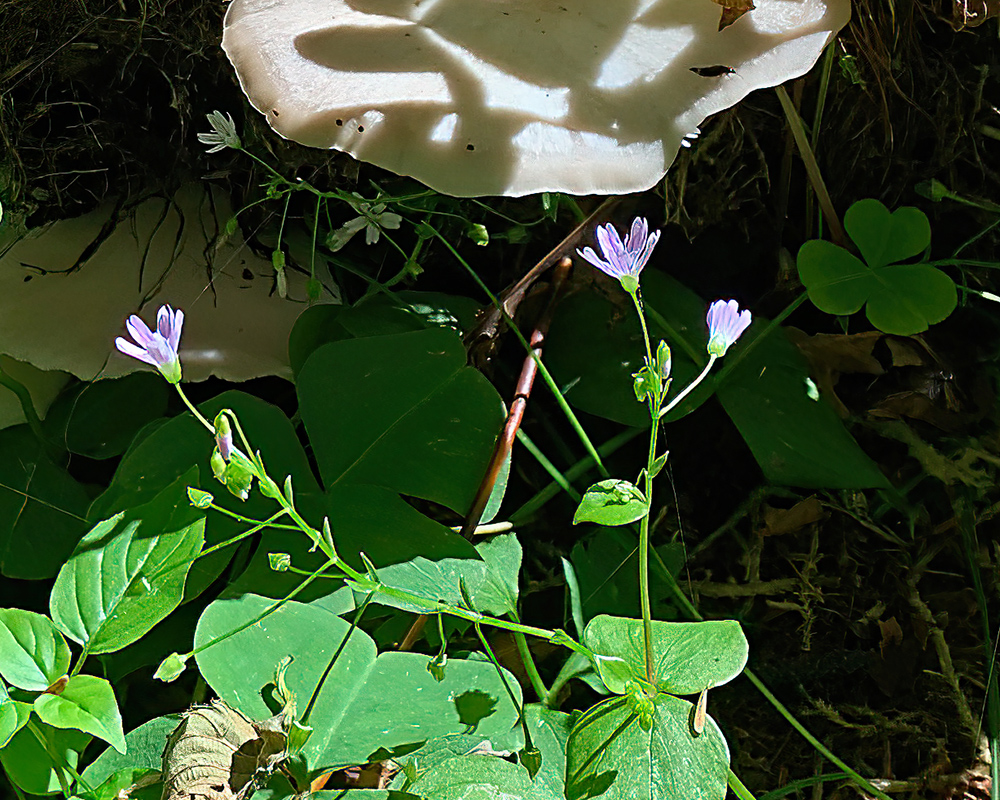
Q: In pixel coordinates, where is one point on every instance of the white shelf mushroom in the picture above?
(478, 97)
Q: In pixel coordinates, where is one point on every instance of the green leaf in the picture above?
(42, 509)
(498, 594)
(120, 785)
(162, 453)
(86, 704)
(35, 765)
(476, 776)
(549, 731)
(611, 754)
(902, 299)
(796, 440)
(350, 716)
(688, 656)
(403, 412)
(611, 502)
(606, 564)
(33, 654)
(884, 237)
(145, 750)
(128, 573)
(13, 715)
(100, 419)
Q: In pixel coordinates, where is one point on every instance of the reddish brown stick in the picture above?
(505, 441)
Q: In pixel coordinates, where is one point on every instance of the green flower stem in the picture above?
(688, 389)
(251, 521)
(529, 665)
(738, 788)
(654, 407)
(263, 614)
(191, 407)
(542, 369)
(547, 465)
(241, 536)
(692, 612)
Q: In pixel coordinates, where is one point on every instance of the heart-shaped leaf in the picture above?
(902, 298)
(688, 656)
(612, 753)
(346, 684)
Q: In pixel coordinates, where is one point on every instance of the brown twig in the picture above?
(505, 440)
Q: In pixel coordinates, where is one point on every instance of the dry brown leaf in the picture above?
(216, 753)
(732, 10)
(779, 521)
(830, 355)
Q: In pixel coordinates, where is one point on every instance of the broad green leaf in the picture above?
(13, 715)
(902, 299)
(611, 502)
(575, 601)
(377, 316)
(498, 594)
(688, 656)
(606, 565)
(145, 750)
(400, 411)
(33, 654)
(100, 419)
(595, 346)
(128, 573)
(87, 704)
(165, 451)
(611, 754)
(796, 440)
(42, 509)
(350, 716)
(475, 777)
(28, 759)
(549, 731)
(120, 785)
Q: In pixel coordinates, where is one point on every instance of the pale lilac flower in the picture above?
(158, 347)
(726, 324)
(623, 260)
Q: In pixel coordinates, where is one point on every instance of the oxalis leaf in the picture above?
(642, 744)
(611, 502)
(347, 684)
(901, 298)
(123, 579)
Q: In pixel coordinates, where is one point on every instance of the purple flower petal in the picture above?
(726, 324)
(135, 351)
(158, 348)
(623, 260)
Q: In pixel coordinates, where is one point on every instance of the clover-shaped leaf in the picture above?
(902, 298)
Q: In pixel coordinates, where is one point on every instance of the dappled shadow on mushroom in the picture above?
(512, 96)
